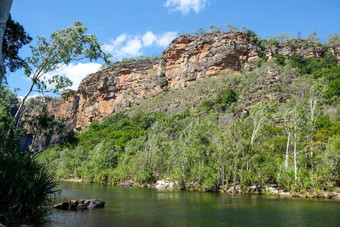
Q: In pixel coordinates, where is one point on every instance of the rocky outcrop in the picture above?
(123, 85)
(303, 47)
(265, 88)
(81, 204)
(190, 58)
(127, 183)
(160, 184)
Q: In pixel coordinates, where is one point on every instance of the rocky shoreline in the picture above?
(252, 190)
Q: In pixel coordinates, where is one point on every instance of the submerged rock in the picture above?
(80, 204)
(95, 203)
(62, 206)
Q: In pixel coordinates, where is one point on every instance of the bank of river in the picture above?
(150, 207)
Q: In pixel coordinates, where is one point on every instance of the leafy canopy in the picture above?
(14, 38)
(64, 46)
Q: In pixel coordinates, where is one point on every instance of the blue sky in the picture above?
(128, 28)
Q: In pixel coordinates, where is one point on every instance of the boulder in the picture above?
(80, 204)
(96, 203)
(164, 184)
(62, 206)
(127, 183)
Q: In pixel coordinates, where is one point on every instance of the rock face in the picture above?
(122, 85)
(164, 185)
(191, 58)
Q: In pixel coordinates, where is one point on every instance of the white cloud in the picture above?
(185, 6)
(115, 43)
(75, 72)
(148, 39)
(29, 97)
(165, 39)
(125, 45)
(132, 47)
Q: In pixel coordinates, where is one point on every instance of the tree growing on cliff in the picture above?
(63, 47)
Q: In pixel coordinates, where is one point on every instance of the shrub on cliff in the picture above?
(226, 97)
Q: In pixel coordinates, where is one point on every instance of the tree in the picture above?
(14, 38)
(333, 40)
(332, 155)
(288, 128)
(7, 121)
(65, 46)
(316, 93)
(260, 114)
(226, 97)
(298, 123)
(5, 6)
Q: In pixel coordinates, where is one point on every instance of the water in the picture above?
(151, 207)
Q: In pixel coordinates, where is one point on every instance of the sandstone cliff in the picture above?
(122, 85)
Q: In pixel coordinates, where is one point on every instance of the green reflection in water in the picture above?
(150, 207)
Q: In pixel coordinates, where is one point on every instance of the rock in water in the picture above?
(80, 204)
(62, 206)
(96, 203)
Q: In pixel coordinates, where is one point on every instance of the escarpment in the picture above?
(123, 85)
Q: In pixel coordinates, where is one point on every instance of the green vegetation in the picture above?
(226, 141)
(236, 132)
(27, 187)
(14, 38)
(326, 68)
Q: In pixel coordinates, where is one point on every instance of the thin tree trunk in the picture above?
(311, 153)
(17, 114)
(287, 150)
(235, 167)
(5, 7)
(295, 168)
(223, 177)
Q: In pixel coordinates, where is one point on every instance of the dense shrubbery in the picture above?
(326, 68)
(27, 189)
(26, 186)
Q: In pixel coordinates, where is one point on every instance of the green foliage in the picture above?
(323, 122)
(312, 65)
(9, 136)
(14, 38)
(63, 47)
(257, 41)
(226, 97)
(280, 59)
(327, 68)
(206, 105)
(26, 189)
(333, 40)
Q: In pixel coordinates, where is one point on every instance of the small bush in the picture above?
(27, 189)
(226, 97)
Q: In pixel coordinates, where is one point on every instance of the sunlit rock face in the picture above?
(123, 85)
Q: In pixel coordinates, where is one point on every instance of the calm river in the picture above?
(151, 207)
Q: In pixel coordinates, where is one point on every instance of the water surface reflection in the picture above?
(150, 207)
